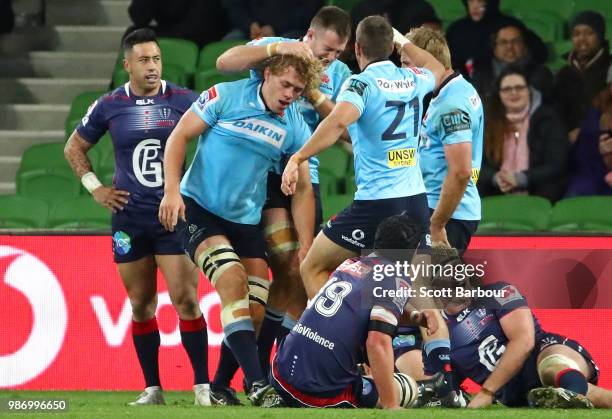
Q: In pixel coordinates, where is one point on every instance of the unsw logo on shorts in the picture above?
(121, 243)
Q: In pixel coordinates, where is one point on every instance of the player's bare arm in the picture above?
(326, 134)
(244, 57)
(75, 152)
(518, 327)
(459, 159)
(303, 210)
(419, 57)
(380, 356)
(172, 206)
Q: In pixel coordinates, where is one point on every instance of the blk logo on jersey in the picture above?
(147, 163)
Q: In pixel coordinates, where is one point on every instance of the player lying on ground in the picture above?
(244, 129)
(352, 316)
(498, 343)
(140, 116)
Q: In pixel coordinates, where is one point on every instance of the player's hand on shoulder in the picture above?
(111, 198)
(295, 48)
(170, 209)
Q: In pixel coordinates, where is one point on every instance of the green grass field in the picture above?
(99, 404)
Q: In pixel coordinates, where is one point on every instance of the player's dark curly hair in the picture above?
(398, 232)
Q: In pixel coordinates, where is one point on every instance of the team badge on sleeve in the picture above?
(356, 86)
(510, 293)
(208, 97)
(456, 120)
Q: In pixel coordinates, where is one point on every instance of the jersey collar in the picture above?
(450, 79)
(377, 63)
(261, 105)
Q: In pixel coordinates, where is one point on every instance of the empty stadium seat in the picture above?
(602, 6)
(549, 28)
(328, 183)
(515, 213)
(208, 78)
(78, 108)
(589, 213)
(179, 52)
(343, 4)
(336, 160)
(449, 11)
(22, 212)
(560, 8)
(51, 185)
(333, 204)
(212, 51)
(79, 213)
(50, 156)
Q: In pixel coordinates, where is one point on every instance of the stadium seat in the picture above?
(559, 8)
(336, 160)
(514, 213)
(602, 6)
(22, 212)
(50, 156)
(549, 28)
(78, 108)
(179, 52)
(51, 185)
(589, 213)
(212, 51)
(449, 11)
(79, 213)
(328, 183)
(333, 204)
(343, 4)
(350, 187)
(170, 72)
(208, 78)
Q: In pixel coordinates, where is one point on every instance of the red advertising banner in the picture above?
(66, 317)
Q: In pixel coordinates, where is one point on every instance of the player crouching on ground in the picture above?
(354, 314)
(498, 343)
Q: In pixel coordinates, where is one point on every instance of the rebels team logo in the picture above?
(32, 278)
(147, 164)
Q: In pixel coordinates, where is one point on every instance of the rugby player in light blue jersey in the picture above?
(326, 38)
(382, 109)
(244, 129)
(451, 149)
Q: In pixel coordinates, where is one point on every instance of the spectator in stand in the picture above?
(584, 76)
(403, 14)
(195, 20)
(526, 146)
(469, 38)
(252, 19)
(510, 48)
(7, 16)
(591, 156)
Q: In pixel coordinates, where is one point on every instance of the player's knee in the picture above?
(187, 307)
(552, 364)
(143, 308)
(281, 239)
(216, 260)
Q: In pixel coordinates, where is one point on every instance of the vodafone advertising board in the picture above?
(66, 318)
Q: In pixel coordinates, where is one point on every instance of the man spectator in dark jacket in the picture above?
(511, 46)
(195, 20)
(585, 73)
(251, 19)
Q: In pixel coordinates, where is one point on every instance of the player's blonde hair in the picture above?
(309, 70)
(432, 42)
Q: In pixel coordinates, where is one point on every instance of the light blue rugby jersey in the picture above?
(385, 137)
(331, 82)
(455, 115)
(229, 172)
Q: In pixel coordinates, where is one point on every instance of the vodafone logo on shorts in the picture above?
(29, 276)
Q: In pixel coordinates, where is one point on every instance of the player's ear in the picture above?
(266, 73)
(310, 34)
(126, 65)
